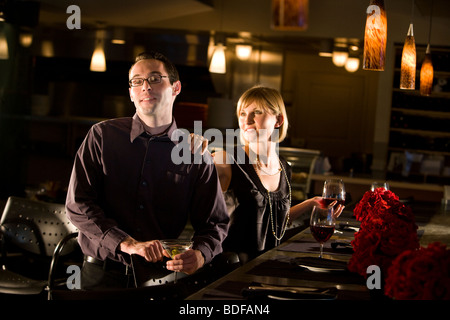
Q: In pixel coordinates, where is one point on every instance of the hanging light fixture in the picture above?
(375, 36)
(427, 72)
(98, 61)
(4, 52)
(47, 49)
(352, 64)
(290, 14)
(118, 36)
(339, 58)
(218, 61)
(243, 51)
(408, 65)
(26, 39)
(326, 48)
(340, 52)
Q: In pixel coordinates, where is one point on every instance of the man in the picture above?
(126, 193)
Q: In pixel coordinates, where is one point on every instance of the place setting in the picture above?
(322, 226)
(281, 292)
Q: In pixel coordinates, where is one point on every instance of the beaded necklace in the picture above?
(283, 230)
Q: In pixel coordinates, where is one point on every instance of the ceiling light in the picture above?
(4, 52)
(26, 39)
(408, 65)
(218, 61)
(426, 74)
(243, 51)
(427, 71)
(98, 61)
(326, 48)
(375, 36)
(118, 36)
(339, 58)
(352, 64)
(47, 49)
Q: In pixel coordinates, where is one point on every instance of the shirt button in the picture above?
(141, 206)
(144, 183)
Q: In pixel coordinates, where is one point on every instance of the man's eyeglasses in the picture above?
(153, 79)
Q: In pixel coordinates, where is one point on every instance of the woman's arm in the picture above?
(223, 169)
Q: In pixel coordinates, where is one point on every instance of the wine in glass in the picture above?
(333, 190)
(322, 225)
(376, 185)
(174, 247)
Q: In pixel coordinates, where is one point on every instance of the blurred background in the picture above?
(353, 122)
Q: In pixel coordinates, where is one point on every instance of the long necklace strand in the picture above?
(286, 221)
(258, 164)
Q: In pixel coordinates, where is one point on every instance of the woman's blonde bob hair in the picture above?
(269, 100)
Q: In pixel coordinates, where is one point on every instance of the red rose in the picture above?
(387, 229)
(420, 274)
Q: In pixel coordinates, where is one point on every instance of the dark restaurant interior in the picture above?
(355, 124)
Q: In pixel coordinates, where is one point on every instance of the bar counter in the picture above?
(276, 267)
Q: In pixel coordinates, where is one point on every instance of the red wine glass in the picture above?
(333, 190)
(322, 225)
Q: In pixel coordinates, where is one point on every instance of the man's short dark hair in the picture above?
(168, 65)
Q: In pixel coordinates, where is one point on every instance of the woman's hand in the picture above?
(307, 205)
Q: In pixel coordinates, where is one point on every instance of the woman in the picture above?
(256, 182)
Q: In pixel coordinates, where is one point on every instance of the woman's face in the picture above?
(257, 123)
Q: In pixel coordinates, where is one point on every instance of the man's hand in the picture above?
(187, 262)
(152, 250)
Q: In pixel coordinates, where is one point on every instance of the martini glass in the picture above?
(174, 247)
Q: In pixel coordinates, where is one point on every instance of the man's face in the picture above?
(157, 99)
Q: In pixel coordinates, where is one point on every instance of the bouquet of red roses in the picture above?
(387, 229)
(420, 274)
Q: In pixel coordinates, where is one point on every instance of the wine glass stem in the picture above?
(175, 277)
(321, 250)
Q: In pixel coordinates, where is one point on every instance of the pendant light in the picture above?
(375, 36)
(352, 64)
(427, 72)
(218, 61)
(47, 49)
(98, 61)
(243, 51)
(340, 52)
(4, 51)
(408, 64)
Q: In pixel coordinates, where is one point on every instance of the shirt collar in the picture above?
(137, 128)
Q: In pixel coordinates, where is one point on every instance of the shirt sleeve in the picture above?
(209, 215)
(99, 236)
